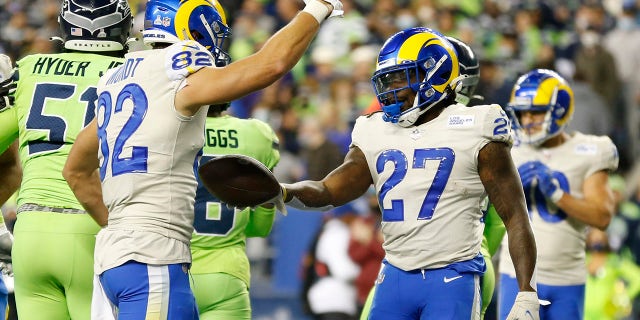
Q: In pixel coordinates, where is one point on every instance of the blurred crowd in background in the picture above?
(594, 44)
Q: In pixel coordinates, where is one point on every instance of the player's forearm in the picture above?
(282, 51)
(88, 190)
(597, 214)
(522, 248)
(260, 221)
(312, 194)
(10, 173)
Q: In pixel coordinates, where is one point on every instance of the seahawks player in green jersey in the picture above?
(220, 232)
(55, 98)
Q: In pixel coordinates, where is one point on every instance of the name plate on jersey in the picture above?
(461, 120)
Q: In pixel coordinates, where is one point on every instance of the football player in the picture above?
(147, 141)
(432, 162)
(565, 180)
(220, 232)
(493, 227)
(55, 98)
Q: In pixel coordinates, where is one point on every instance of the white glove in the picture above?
(337, 7)
(526, 307)
(6, 68)
(278, 201)
(7, 86)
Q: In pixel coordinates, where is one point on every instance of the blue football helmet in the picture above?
(469, 77)
(95, 25)
(171, 21)
(541, 90)
(417, 59)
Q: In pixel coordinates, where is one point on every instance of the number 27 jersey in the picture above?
(427, 182)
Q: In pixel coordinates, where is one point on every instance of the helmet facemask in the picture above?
(540, 91)
(390, 83)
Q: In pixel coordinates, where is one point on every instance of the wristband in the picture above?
(557, 195)
(317, 10)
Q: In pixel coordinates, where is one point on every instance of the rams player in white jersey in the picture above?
(432, 161)
(146, 142)
(565, 180)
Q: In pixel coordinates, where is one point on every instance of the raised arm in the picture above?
(500, 178)
(278, 55)
(346, 183)
(81, 173)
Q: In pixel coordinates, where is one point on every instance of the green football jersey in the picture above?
(56, 97)
(220, 233)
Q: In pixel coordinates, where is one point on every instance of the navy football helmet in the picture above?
(541, 90)
(171, 21)
(95, 25)
(467, 82)
(418, 59)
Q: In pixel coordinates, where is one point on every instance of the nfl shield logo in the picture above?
(76, 31)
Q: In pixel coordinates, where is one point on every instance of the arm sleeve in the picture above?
(607, 158)
(8, 128)
(494, 230)
(496, 125)
(260, 222)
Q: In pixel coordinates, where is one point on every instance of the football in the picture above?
(239, 180)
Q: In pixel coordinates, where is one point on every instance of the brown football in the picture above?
(239, 180)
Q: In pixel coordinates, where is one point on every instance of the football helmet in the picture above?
(94, 25)
(418, 59)
(465, 85)
(171, 21)
(541, 90)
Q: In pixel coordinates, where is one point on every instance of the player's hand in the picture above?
(278, 201)
(526, 307)
(336, 7)
(6, 243)
(7, 86)
(549, 185)
(528, 172)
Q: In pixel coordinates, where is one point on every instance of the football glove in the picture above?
(278, 201)
(526, 307)
(6, 68)
(6, 243)
(337, 7)
(549, 185)
(528, 172)
(7, 86)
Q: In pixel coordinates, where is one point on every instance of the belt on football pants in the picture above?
(40, 208)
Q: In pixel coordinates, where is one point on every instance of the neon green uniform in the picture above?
(220, 266)
(54, 237)
(494, 230)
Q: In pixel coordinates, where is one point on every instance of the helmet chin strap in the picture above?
(408, 119)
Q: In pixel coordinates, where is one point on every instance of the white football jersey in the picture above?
(560, 239)
(148, 156)
(427, 182)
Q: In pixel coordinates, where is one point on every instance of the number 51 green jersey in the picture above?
(55, 99)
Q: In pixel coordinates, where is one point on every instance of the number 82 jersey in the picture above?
(427, 182)
(148, 154)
